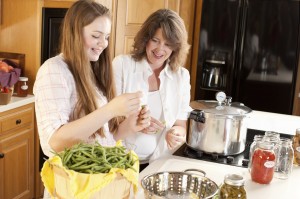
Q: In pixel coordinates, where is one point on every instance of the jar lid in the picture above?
(23, 79)
(234, 179)
(214, 107)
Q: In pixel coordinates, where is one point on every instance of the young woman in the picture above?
(74, 91)
(155, 66)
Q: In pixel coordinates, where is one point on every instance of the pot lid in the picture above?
(215, 107)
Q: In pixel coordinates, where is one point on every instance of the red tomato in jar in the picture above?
(263, 162)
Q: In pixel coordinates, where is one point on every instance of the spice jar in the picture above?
(233, 187)
(263, 163)
(22, 87)
(296, 147)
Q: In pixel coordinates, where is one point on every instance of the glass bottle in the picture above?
(284, 161)
(256, 139)
(233, 187)
(263, 163)
(296, 147)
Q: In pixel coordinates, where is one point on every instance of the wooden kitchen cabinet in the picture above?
(17, 153)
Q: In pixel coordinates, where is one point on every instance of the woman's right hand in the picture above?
(126, 104)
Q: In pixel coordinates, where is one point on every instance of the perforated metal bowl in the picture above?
(175, 185)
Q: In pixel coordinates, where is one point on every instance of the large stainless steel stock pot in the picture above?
(218, 126)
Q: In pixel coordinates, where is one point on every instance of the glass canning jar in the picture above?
(22, 87)
(233, 187)
(253, 146)
(296, 147)
(263, 163)
(284, 161)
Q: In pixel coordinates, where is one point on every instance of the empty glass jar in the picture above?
(284, 161)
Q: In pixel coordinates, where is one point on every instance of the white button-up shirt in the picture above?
(174, 90)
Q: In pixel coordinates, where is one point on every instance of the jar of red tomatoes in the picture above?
(263, 163)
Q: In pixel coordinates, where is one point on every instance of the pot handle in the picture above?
(197, 170)
(198, 116)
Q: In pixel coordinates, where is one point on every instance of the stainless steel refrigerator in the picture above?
(250, 50)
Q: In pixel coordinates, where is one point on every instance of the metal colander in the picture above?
(179, 185)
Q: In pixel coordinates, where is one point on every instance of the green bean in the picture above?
(87, 158)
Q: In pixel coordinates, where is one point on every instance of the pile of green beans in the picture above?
(94, 158)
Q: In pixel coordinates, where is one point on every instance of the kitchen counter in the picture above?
(259, 120)
(266, 121)
(17, 102)
(277, 189)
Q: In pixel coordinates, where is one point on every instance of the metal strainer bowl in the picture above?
(179, 185)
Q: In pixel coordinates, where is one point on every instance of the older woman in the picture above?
(155, 67)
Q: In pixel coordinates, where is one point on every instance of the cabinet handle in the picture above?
(1, 155)
(18, 121)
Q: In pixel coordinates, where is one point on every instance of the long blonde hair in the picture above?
(87, 74)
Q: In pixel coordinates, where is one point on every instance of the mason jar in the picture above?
(22, 87)
(284, 161)
(233, 187)
(253, 146)
(263, 163)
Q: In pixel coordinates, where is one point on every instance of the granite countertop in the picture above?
(17, 102)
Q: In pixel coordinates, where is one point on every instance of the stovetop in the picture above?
(240, 160)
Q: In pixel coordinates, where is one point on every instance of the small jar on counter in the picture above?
(233, 187)
(296, 147)
(263, 163)
(253, 146)
(22, 87)
(284, 162)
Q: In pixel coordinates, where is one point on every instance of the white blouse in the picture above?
(174, 91)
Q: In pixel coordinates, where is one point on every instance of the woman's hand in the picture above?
(126, 104)
(134, 123)
(176, 136)
(154, 127)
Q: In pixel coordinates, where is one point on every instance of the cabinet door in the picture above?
(16, 167)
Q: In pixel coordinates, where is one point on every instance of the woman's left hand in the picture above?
(175, 137)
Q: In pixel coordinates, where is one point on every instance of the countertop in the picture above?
(17, 102)
(277, 189)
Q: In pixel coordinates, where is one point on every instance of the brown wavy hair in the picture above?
(174, 32)
(87, 74)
